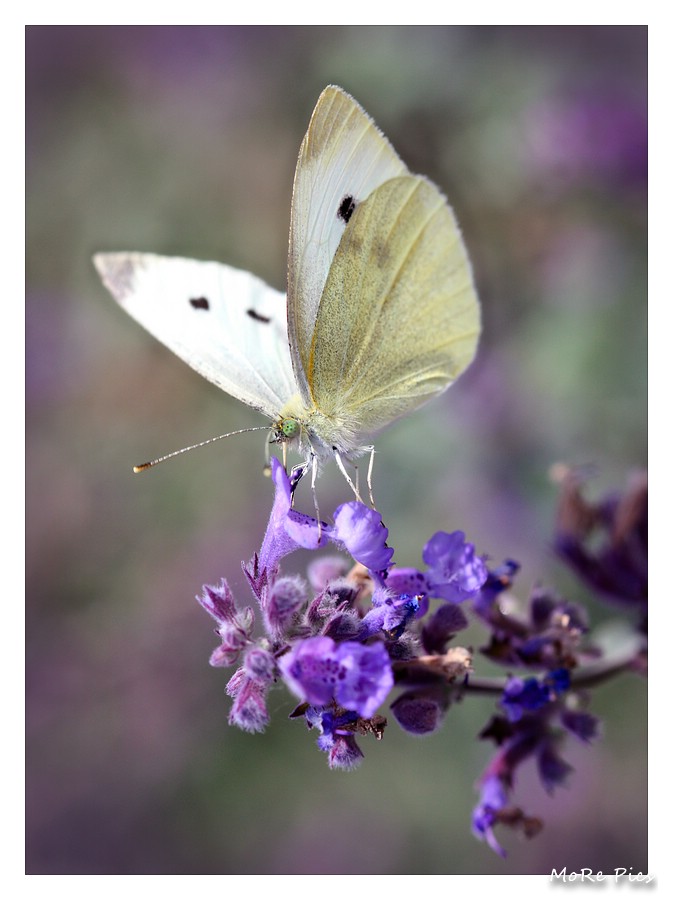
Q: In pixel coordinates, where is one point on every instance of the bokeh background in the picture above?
(183, 140)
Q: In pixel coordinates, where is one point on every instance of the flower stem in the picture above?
(623, 659)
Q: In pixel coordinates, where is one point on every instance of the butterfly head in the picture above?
(286, 429)
(292, 425)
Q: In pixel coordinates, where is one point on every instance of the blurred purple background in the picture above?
(183, 140)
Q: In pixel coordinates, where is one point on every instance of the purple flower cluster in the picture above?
(336, 650)
(534, 710)
(605, 541)
(546, 636)
(358, 628)
(597, 137)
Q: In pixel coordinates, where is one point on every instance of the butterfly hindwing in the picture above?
(399, 319)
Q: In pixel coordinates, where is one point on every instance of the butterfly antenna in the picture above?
(155, 462)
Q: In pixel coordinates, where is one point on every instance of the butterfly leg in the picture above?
(314, 475)
(345, 474)
(369, 476)
(267, 453)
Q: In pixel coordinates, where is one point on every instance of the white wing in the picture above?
(342, 159)
(225, 323)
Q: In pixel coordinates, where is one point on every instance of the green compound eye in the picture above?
(289, 428)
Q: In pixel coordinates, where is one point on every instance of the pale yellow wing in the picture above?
(342, 159)
(399, 317)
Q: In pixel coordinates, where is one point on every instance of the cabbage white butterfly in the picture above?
(381, 311)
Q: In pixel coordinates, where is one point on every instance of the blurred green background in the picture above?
(182, 140)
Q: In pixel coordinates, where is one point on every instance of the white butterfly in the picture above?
(381, 311)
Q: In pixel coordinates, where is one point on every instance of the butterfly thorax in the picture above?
(313, 431)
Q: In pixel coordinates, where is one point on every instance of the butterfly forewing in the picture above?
(398, 320)
(225, 323)
(342, 159)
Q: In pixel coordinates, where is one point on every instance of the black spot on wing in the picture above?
(258, 317)
(200, 303)
(346, 208)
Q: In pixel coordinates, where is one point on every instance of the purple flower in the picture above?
(234, 625)
(367, 679)
(355, 676)
(390, 614)
(356, 527)
(485, 816)
(412, 583)
(406, 581)
(336, 737)
(344, 753)
(248, 710)
(260, 665)
(442, 626)
(421, 710)
(311, 670)
(548, 613)
(522, 696)
(218, 601)
(492, 810)
(531, 694)
(326, 569)
(455, 572)
(582, 724)
(497, 581)
(362, 532)
(553, 770)
(287, 529)
(284, 599)
(558, 681)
